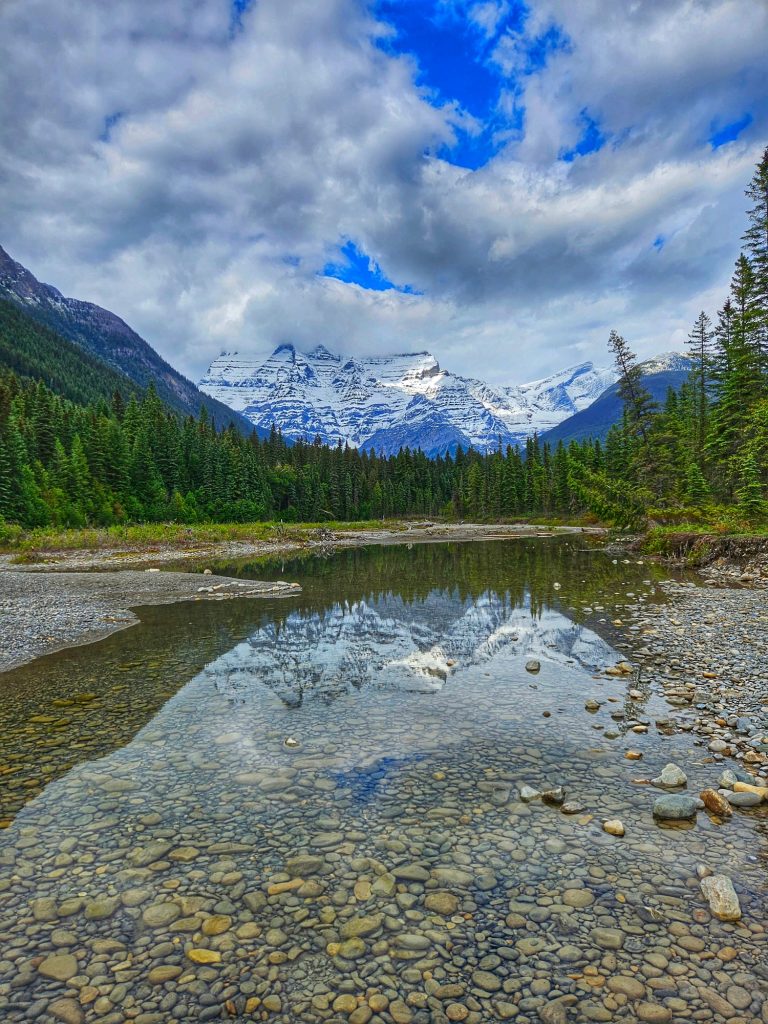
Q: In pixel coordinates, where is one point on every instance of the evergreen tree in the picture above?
(756, 246)
(696, 488)
(637, 401)
(751, 502)
(701, 352)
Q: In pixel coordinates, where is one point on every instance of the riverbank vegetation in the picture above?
(701, 460)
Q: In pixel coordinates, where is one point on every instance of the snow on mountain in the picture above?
(667, 362)
(383, 403)
(665, 371)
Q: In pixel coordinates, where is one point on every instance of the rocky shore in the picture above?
(42, 612)
(706, 653)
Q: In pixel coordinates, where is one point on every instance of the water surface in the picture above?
(309, 810)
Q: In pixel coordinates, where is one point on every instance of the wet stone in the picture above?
(160, 915)
(445, 903)
(675, 807)
(60, 967)
(67, 1010)
(607, 938)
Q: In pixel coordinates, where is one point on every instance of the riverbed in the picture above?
(320, 808)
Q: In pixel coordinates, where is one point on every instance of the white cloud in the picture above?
(240, 160)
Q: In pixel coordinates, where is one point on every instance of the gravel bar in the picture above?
(42, 612)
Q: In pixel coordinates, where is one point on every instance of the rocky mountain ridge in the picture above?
(104, 335)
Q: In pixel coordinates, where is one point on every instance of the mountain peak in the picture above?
(321, 352)
(666, 362)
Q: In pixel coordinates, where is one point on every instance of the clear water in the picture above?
(321, 795)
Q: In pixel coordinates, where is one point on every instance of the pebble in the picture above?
(66, 1010)
(675, 807)
(715, 803)
(59, 967)
(671, 776)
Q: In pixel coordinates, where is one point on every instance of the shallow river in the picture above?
(308, 809)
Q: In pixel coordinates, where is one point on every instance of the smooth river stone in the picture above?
(59, 967)
(722, 898)
(358, 926)
(675, 807)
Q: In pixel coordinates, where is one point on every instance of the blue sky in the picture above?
(355, 267)
(454, 59)
(499, 182)
(453, 56)
(722, 134)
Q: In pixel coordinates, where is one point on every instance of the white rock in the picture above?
(722, 898)
(671, 775)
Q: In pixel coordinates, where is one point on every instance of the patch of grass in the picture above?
(29, 545)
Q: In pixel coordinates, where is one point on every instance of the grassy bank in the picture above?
(698, 545)
(27, 545)
(146, 536)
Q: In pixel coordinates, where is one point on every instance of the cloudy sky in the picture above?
(499, 182)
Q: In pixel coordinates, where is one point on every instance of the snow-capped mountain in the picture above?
(665, 371)
(384, 403)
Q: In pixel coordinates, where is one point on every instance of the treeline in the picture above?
(66, 464)
(704, 453)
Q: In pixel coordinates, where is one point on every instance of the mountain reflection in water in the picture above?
(385, 642)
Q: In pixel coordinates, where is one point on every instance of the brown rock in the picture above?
(59, 967)
(716, 803)
(66, 1010)
(722, 898)
(444, 903)
(745, 787)
(204, 956)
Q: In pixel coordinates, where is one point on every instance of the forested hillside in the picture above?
(69, 465)
(704, 452)
(108, 339)
(36, 352)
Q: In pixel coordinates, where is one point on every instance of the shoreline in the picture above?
(85, 596)
(45, 612)
(121, 557)
(701, 653)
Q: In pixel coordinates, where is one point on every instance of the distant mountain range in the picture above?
(385, 403)
(375, 403)
(107, 338)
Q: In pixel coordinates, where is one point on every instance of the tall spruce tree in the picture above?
(637, 400)
(756, 249)
(701, 351)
